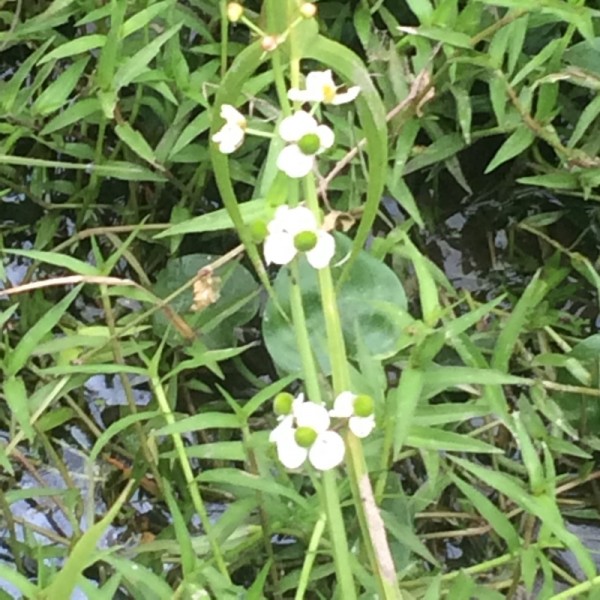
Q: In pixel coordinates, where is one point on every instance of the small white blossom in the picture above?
(321, 88)
(231, 135)
(326, 450)
(288, 229)
(306, 139)
(344, 408)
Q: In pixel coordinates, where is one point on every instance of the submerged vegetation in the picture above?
(299, 299)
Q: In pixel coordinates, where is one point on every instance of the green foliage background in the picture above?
(487, 404)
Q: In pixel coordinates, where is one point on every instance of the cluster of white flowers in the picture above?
(304, 429)
(303, 134)
(294, 230)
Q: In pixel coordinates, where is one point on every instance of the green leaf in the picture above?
(18, 403)
(234, 290)
(366, 298)
(447, 146)
(440, 34)
(210, 420)
(537, 61)
(10, 576)
(404, 400)
(442, 414)
(585, 55)
(126, 171)
(422, 9)
(234, 478)
(372, 117)
(516, 323)
(76, 46)
(76, 112)
(491, 513)
(140, 578)
(10, 90)
(182, 532)
(439, 378)
(136, 142)
(517, 143)
(588, 116)
(213, 451)
(561, 180)
(432, 438)
(57, 93)
(464, 111)
(138, 63)
(192, 130)
(242, 68)
(143, 17)
(84, 552)
(18, 358)
(217, 220)
(542, 506)
(117, 427)
(60, 260)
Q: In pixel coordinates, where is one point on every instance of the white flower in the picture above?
(293, 230)
(310, 422)
(231, 135)
(320, 88)
(306, 139)
(345, 407)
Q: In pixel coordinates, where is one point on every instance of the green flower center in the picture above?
(305, 241)
(305, 436)
(309, 144)
(282, 404)
(363, 406)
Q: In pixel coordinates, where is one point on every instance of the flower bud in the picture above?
(258, 231)
(234, 11)
(308, 10)
(270, 42)
(305, 241)
(305, 436)
(282, 404)
(363, 406)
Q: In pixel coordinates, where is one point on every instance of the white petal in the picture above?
(347, 96)
(282, 432)
(294, 163)
(279, 248)
(277, 223)
(229, 138)
(232, 115)
(291, 454)
(320, 256)
(299, 219)
(317, 80)
(326, 137)
(312, 415)
(361, 426)
(296, 95)
(298, 401)
(343, 405)
(327, 452)
(291, 129)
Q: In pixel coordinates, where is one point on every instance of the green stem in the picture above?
(371, 525)
(309, 367)
(188, 473)
(339, 542)
(309, 559)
